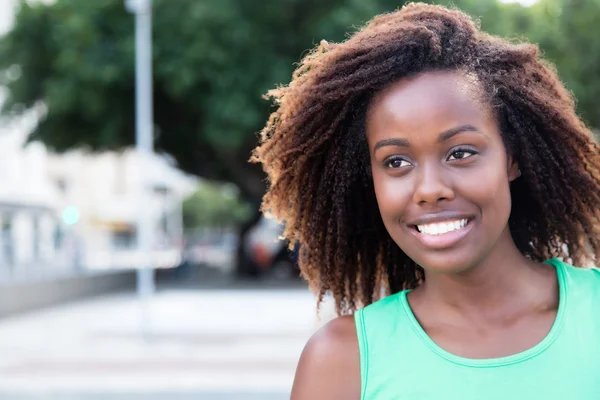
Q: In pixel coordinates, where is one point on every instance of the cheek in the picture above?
(392, 196)
(490, 190)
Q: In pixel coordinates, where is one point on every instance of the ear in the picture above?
(513, 169)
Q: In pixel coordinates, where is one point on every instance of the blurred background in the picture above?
(134, 263)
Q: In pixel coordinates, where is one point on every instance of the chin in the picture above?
(454, 255)
(446, 262)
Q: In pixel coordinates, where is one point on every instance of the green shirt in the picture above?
(399, 361)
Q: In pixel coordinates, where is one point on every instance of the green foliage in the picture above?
(570, 38)
(214, 205)
(567, 33)
(214, 59)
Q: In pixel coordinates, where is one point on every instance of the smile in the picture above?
(442, 227)
(443, 234)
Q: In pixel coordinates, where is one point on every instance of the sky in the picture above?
(6, 15)
(7, 12)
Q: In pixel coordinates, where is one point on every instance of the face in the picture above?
(440, 170)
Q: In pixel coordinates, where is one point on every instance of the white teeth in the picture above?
(441, 228)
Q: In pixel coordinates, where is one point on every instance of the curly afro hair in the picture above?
(315, 153)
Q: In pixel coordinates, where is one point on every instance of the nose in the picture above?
(432, 186)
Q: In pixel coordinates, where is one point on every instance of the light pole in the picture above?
(142, 9)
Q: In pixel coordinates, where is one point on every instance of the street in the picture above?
(206, 341)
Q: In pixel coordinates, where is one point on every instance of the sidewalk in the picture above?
(215, 341)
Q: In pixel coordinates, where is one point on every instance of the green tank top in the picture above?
(399, 361)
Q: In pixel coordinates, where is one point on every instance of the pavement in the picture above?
(224, 341)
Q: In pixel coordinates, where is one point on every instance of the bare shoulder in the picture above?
(329, 366)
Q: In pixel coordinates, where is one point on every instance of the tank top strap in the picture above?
(387, 342)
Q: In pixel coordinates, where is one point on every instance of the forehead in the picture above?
(432, 99)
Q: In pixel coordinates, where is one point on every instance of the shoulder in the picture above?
(581, 283)
(589, 274)
(329, 366)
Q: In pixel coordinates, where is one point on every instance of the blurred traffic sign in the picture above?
(70, 215)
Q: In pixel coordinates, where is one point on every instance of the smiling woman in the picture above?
(448, 169)
(440, 169)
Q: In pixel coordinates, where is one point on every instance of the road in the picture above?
(204, 342)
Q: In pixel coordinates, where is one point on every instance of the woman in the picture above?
(427, 160)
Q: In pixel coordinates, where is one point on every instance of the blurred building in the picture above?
(64, 213)
(29, 205)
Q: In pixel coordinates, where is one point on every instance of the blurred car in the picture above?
(214, 250)
(217, 251)
(264, 252)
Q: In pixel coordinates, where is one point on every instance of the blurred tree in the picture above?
(213, 61)
(214, 205)
(567, 33)
(215, 58)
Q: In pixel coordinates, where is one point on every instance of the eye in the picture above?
(461, 154)
(396, 162)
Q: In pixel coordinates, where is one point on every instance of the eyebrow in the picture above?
(455, 131)
(446, 135)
